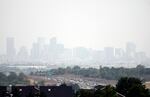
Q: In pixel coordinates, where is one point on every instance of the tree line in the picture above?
(110, 73)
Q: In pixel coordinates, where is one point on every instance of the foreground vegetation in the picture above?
(126, 87)
(13, 79)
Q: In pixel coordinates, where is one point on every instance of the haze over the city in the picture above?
(87, 23)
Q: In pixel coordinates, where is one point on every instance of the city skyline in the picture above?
(54, 52)
(42, 40)
(47, 39)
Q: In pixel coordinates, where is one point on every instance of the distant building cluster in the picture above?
(55, 53)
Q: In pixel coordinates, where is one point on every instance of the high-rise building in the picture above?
(80, 53)
(22, 55)
(119, 52)
(130, 50)
(140, 57)
(55, 49)
(98, 55)
(109, 54)
(10, 49)
(35, 52)
(41, 44)
(53, 41)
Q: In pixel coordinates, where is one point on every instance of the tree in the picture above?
(131, 87)
(21, 76)
(85, 93)
(3, 79)
(138, 91)
(107, 91)
(12, 78)
(75, 87)
(76, 70)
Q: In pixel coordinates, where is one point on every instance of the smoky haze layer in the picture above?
(89, 23)
(102, 25)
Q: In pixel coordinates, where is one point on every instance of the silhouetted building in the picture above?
(37, 91)
(23, 91)
(3, 91)
(56, 91)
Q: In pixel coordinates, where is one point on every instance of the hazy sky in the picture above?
(89, 23)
